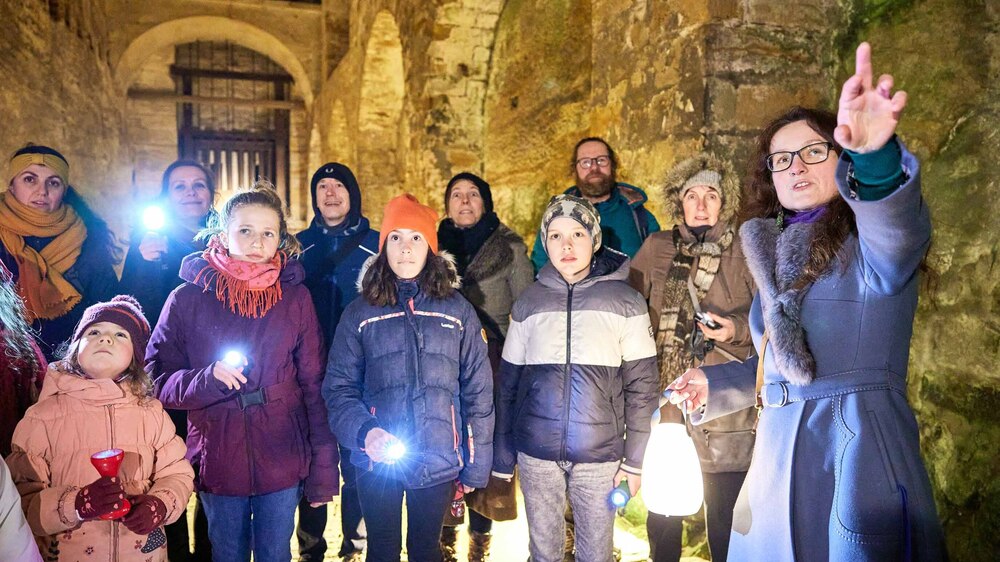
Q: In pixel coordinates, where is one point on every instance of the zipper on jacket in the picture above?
(568, 369)
(114, 524)
(455, 439)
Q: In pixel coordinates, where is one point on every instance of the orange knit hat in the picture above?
(404, 211)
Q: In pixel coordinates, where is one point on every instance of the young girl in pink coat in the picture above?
(98, 398)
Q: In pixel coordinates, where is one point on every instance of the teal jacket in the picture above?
(625, 223)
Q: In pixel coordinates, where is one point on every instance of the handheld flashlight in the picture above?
(395, 451)
(153, 218)
(234, 359)
(621, 494)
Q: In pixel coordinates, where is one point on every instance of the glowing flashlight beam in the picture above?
(234, 359)
(621, 494)
(153, 218)
(395, 451)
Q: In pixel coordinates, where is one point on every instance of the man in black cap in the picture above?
(336, 245)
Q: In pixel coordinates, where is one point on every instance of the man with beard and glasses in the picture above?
(625, 223)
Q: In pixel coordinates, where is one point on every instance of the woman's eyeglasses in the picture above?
(809, 154)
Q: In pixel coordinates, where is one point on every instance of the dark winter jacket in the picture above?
(151, 281)
(264, 447)
(625, 222)
(418, 370)
(333, 285)
(93, 276)
(578, 376)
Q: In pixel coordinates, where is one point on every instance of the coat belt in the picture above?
(782, 393)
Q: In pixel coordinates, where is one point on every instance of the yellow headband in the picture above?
(21, 162)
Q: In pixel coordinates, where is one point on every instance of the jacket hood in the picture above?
(631, 194)
(607, 265)
(344, 175)
(61, 379)
(674, 182)
(293, 273)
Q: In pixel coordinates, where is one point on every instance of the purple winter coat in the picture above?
(264, 447)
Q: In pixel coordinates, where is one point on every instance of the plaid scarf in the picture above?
(698, 260)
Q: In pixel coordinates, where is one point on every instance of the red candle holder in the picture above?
(107, 463)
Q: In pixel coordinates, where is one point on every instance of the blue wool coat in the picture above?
(418, 370)
(836, 473)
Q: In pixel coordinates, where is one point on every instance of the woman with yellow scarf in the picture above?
(60, 253)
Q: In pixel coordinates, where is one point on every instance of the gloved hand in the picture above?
(101, 496)
(148, 513)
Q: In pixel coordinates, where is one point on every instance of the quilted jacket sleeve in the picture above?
(343, 385)
(49, 509)
(475, 385)
(173, 477)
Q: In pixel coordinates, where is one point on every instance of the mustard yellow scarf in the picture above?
(40, 281)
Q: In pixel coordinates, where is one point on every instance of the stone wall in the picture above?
(946, 55)
(58, 90)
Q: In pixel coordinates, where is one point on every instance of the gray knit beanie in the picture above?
(576, 208)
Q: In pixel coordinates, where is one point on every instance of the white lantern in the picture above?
(671, 473)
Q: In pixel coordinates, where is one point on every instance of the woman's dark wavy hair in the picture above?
(437, 280)
(760, 199)
(14, 329)
(98, 232)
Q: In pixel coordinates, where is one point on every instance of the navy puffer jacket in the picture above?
(578, 379)
(418, 370)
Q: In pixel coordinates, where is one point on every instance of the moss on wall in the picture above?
(945, 55)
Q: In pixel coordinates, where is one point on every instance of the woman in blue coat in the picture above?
(409, 388)
(835, 234)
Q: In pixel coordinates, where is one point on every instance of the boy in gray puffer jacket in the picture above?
(578, 386)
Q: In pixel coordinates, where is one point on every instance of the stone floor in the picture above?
(510, 539)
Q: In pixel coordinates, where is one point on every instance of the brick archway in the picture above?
(210, 28)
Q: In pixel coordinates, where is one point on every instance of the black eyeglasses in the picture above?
(588, 163)
(809, 154)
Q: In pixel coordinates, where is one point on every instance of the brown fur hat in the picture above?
(673, 186)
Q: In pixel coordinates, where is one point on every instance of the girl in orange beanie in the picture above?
(409, 387)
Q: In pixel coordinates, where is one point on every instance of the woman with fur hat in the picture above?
(61, 254)
(698, 266)
(836, 230)
(98, 398)
(493, 264)
(408, 386)
(577, 386)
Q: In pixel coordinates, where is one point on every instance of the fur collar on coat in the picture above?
(776, 259)
(495, 255)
